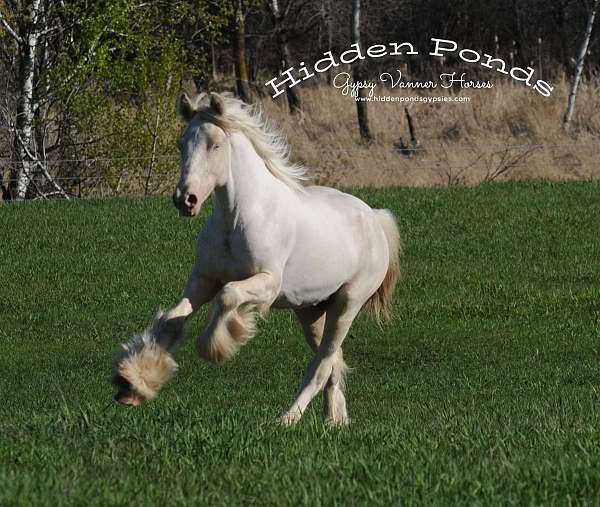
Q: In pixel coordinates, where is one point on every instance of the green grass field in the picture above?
(485, 388)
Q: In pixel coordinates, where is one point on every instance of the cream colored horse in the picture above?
(269, 243)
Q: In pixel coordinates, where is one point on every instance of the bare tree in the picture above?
(408, 150)
(213, 61)
(580, 62)
(326, 12)
(239, 49)
(154, 131)
(358, 75)
(292, 93)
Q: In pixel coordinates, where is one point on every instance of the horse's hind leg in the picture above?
(334, 401)
(340, 314)
(337, 323)
(312, 320)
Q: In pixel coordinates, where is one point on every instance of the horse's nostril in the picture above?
(191, 200)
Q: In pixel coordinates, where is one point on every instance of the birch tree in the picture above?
(580, 63)
(67, 66)
(30, 37)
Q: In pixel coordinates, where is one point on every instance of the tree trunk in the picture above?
(579, 66)
(561, 21)
(521, 43)
(292, 93)
(239, 49)
(155, 134)
(24, 142)
(329, 38)
(213, 61)
(358, 75)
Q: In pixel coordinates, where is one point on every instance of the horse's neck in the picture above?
(249, 182)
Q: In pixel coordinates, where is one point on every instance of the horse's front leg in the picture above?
(234, 312)
(145, 364)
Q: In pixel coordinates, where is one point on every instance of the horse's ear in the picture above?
(217, 104)
(187, 106)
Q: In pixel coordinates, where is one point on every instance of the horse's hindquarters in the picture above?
(339, 242)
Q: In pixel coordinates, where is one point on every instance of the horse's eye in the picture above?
(215, 146)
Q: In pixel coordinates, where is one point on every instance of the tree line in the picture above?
(82, 78)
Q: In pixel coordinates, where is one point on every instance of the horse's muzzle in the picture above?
(187, 203)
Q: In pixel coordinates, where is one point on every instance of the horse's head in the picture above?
(204, 154)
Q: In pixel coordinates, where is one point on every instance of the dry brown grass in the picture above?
(506, 132)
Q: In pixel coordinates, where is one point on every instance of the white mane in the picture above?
(268, 141)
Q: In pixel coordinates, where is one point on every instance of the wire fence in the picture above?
(490, 148)
(90, 175)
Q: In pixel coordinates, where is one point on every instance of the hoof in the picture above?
(130, 399)
(337, 422)
(289, 418)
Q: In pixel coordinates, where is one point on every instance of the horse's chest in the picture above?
(228, 257)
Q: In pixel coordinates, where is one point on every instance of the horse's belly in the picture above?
(308, 283)
(308, 294)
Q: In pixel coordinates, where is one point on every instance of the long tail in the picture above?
(379, 304)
